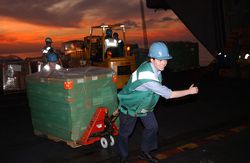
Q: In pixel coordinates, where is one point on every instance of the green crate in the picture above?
(65, 113)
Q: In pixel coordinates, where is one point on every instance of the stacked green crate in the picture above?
(185, 56)
(63, 102)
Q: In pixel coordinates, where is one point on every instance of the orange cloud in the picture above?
(23, 36)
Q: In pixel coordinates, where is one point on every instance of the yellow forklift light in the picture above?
(128, 48)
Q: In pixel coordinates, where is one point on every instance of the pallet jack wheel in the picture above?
(107, 141)
(112, 140)
(104, 142)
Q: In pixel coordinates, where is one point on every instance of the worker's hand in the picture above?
(116, 112)
(193, 90)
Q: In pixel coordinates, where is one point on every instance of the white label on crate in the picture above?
(109, 75)
(80, 80)
(42, 80)
(17, 67)
(99, 125)
(94, 77)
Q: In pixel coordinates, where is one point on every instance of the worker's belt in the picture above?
(128, 112)
(143, 111)
(124, 108)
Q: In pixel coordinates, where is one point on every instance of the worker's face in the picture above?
(48, 43)
(159, 64)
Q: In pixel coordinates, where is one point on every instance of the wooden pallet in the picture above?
(72, 144)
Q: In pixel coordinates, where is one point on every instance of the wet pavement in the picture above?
(227, 145)
(218, 148)
(211, 127)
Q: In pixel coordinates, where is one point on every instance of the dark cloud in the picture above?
(114, 9)
(164, 19)
(128, 24)
(39, 12)
(68, 13)
(131, 24)
(153, 22)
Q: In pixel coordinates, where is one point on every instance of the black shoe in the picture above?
(124, 160)
(148, 157)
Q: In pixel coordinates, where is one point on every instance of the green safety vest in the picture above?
(137, 103)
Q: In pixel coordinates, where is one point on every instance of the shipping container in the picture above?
(63, 102)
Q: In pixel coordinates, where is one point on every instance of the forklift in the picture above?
(102, 52)
(94, 50)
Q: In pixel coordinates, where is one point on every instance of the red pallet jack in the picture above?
(101, 128)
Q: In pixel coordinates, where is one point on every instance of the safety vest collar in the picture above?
(148, 75)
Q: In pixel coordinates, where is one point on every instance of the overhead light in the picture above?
(104, 26)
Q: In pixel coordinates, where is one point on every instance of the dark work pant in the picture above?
(149, 137)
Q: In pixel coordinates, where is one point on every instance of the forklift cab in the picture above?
(103, 51)
(108, 45)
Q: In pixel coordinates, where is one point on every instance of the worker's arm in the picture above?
(157, 88)
(181, 93)
(165, 92)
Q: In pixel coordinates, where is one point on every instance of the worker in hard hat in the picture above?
(47, 49)
(50, 58)
(53, 62)
(109, 43)
(120, 49)
(138, 98)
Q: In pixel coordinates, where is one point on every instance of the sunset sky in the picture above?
(25, 24)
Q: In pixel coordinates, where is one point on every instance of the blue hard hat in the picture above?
(52, 57)
(159, 50)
